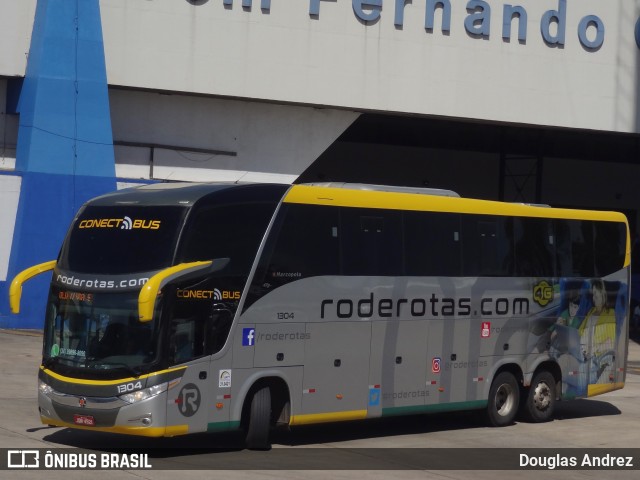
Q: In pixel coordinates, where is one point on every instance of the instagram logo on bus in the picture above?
(435, 364)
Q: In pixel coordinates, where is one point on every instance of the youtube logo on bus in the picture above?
(486, 330)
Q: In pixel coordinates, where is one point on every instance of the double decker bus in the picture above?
(182, 308)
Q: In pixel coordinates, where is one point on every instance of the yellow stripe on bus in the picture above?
(171, 431)
(600, 388)
(327, 417)
(83, 381)
(344, 197)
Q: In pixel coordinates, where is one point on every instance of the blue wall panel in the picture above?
(65, 144)
(47, 206)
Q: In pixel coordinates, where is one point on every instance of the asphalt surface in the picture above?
(438, 446)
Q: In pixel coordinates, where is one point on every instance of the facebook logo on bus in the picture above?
(248, 337)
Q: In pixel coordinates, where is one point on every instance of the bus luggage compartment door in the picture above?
(336, 368)
(398, 366)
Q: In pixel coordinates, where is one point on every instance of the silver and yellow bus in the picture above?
(182, 308)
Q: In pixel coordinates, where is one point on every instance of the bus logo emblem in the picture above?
(486, 330)
(188, 400)
(82, 401)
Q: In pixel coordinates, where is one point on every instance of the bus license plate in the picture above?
(84, 420)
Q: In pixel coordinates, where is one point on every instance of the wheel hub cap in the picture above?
(542, 396)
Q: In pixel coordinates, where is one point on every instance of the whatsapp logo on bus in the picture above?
(543, 293)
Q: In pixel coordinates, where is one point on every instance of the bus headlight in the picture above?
(44, 388)
(145, 393)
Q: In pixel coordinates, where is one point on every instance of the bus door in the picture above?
(336, 368)
(197, 328)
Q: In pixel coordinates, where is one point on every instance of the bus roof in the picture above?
(159, 194)
(321, 195)
(186, 194)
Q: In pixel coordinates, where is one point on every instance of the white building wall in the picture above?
(16, 24)
(274, 89)
(255, 141)
(334, 59)
(9, 196)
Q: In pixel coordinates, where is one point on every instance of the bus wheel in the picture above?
(541, 398)
(504, 397)
(259, 420)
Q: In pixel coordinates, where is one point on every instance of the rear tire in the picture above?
(259, 422)
(541, 398)
(504, 399)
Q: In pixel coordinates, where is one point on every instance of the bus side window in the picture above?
(575, 248)
(609, 243)
(307, 244)
(487, 246)
(534, 247)
(371, 242)
(302, 243)
(183, 350)
(231, 231)
(432, 244)
(562, 236)
(582, 252)
(187, 329)
(198, 329)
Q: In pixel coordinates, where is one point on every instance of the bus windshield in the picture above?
(118, 239)
(98, 333)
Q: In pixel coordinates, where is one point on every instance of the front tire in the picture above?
(259, 422)
(504, 399)
(541, 398)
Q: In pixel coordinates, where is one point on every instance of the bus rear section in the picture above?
(399, 304)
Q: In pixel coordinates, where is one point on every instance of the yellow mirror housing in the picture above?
(151, 289)
(15, 290)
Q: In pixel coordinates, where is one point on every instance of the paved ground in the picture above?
(610, 421)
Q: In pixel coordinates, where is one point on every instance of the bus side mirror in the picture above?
(183, 271)
(15, 290)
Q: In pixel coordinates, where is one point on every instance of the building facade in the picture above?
(534, 101)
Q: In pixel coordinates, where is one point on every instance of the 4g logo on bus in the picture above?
(543, 293)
